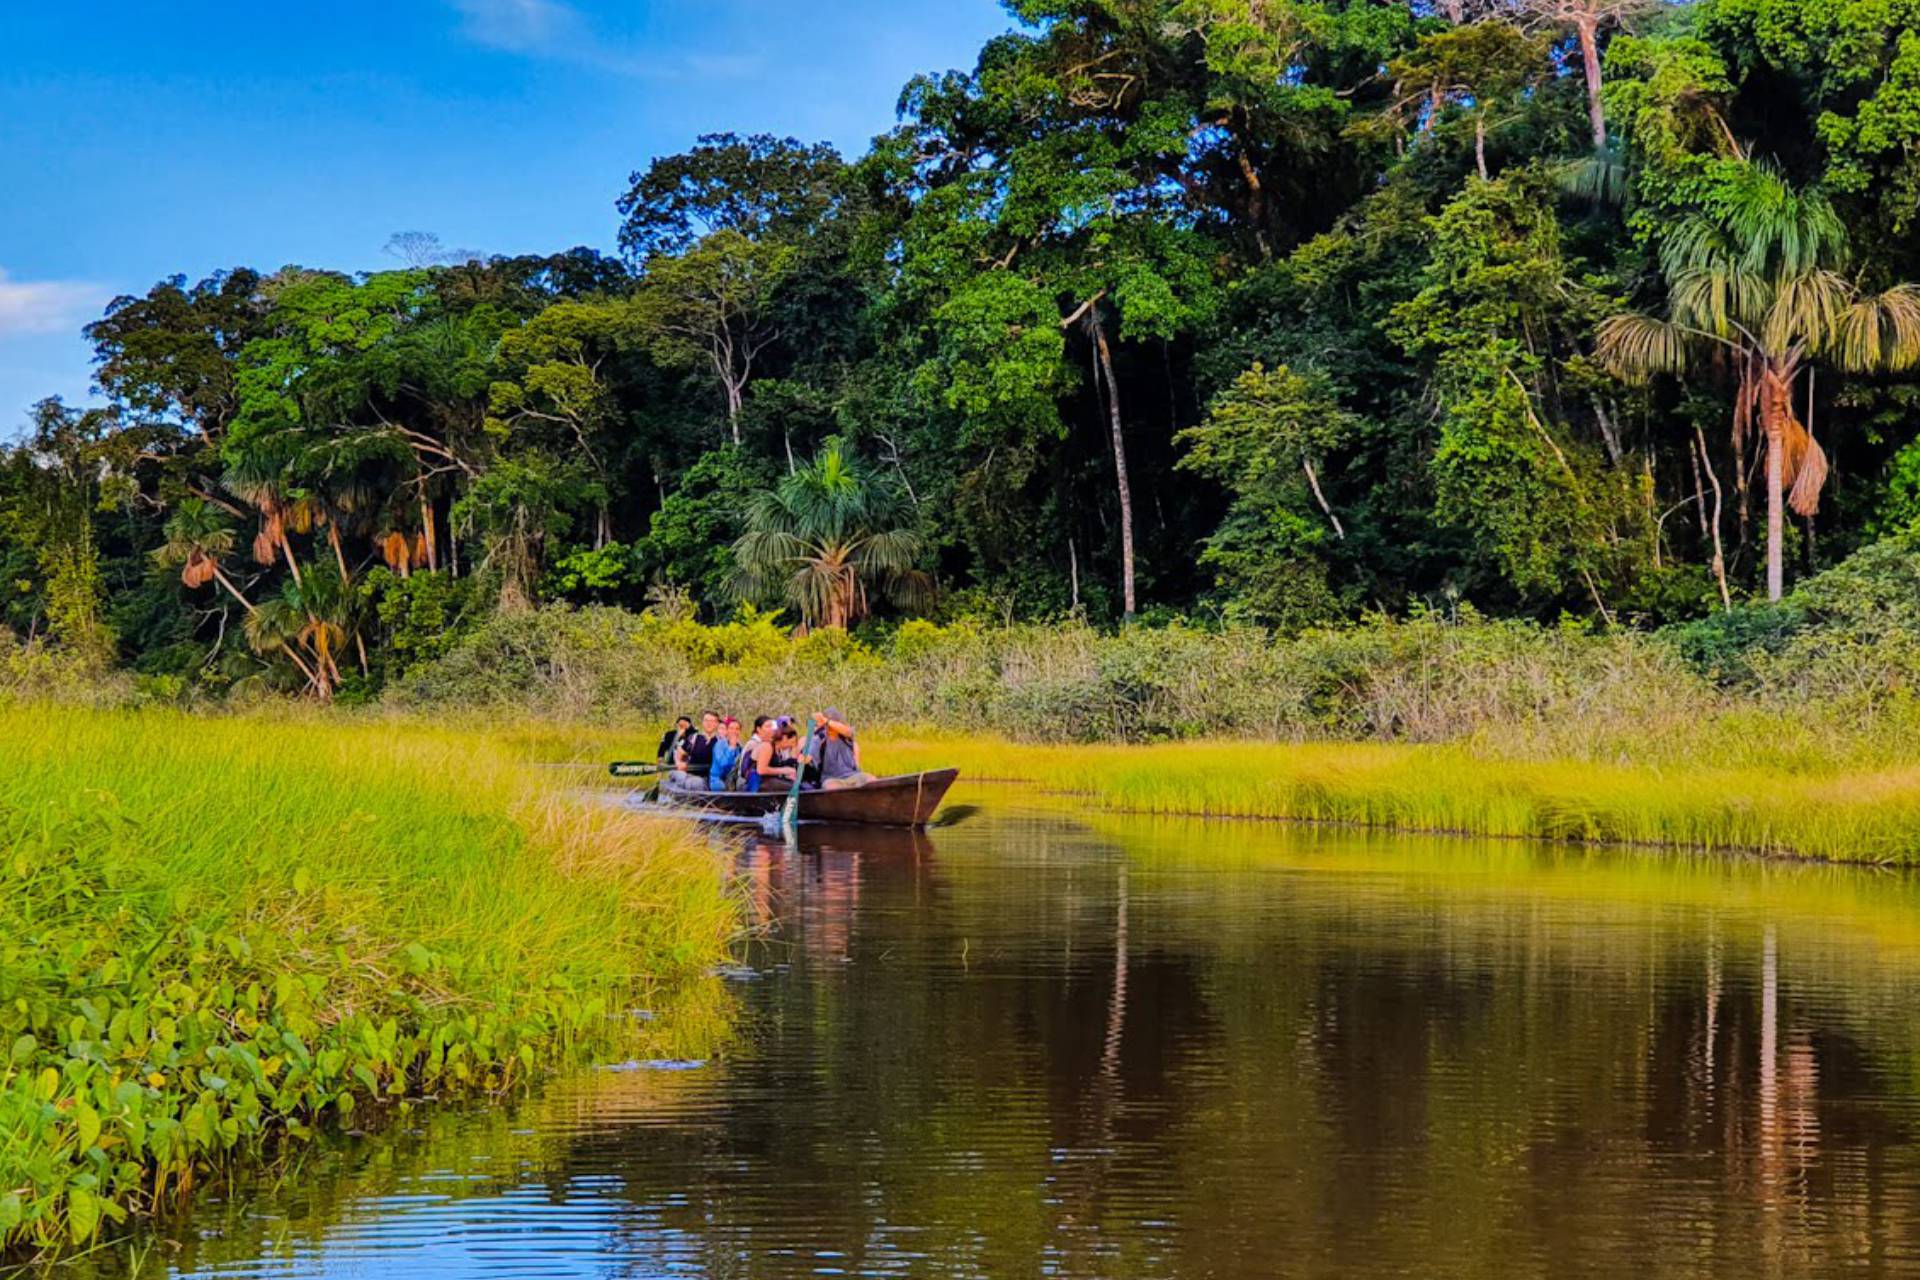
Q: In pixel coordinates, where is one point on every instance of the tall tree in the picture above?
(758, 186)
(67, 459)
(173, 352)
(1268, 437)
(1757, 276)
(711, 307)
(1589, 20)
(1499, 312)
(1480, 70)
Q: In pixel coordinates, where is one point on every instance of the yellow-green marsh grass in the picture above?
(1775, 795)
(217, 932)
(1859, 814)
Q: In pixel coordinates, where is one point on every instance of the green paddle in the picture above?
(635, 768)
(787, 821)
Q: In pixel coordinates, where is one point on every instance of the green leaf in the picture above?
(87, 1121)
(83, 1213)
(418, 958)
(10, 1212)
(23, 1048)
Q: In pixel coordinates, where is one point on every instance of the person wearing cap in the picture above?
(833, 745)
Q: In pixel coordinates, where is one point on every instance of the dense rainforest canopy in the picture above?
(1276, 311)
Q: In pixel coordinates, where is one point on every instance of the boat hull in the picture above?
(906, 800)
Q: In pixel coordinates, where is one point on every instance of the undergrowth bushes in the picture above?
(1425, 679)
(1834, 667)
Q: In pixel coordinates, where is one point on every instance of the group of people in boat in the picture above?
(717, 757)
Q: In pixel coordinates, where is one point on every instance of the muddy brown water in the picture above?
(1030, 1045)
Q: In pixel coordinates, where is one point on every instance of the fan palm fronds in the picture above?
(1880, 331)
(1636, 345)
(825, 538)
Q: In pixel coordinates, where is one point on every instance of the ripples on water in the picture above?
(1026, 1047)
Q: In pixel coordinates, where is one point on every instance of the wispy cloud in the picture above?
(46, 306)
(544, 27)
(554, 30)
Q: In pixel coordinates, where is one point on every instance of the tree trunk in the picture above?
(293, 566)
(1480, 144)
(427, 533)
(837, 608)
(1776, 503)
(1256, 202)
(1588, 28)
(1313, 482)
(734, 401)
(1743, 501)
(233, 590)
(1609, 433)
(1719, 552)
(339, 553)
(1119, 461)
(1776, 417)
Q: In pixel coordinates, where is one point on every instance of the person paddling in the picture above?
(832, 744)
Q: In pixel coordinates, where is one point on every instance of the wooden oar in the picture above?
(787, 820)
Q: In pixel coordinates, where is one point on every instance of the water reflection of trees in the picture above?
(1184, 1049)
(1128, 1067)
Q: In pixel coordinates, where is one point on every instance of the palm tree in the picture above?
(829, 534)
(309, 622)
(198, 535)
(258, 477)
(1758, 279)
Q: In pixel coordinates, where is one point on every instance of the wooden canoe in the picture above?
(906, 800)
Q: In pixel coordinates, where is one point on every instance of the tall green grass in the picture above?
(217, 934)
(1744, 784)
(1858, 814)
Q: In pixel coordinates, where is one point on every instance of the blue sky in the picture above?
(140, 139)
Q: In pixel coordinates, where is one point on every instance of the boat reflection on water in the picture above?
(808, 891)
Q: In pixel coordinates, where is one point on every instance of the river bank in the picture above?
(1865, 812)
(219, 934)
(1754, 785)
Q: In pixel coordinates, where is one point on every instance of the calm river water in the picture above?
(1029, 1046)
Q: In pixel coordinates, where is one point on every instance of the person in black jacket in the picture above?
(671, 739)
(693, 757)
